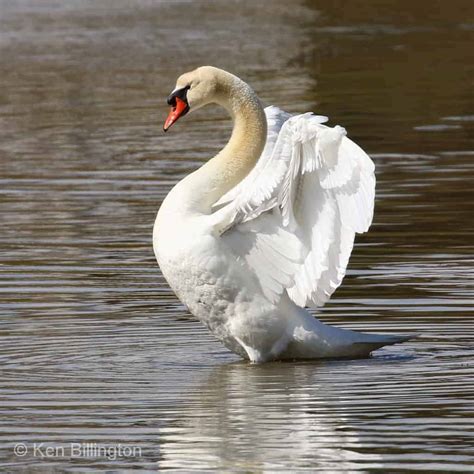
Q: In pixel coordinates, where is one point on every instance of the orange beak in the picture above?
(179, 109)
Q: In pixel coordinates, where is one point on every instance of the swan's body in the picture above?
(266, 227)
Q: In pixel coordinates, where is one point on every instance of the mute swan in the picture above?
(266, 227)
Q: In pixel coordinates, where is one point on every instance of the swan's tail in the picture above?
(310, 338)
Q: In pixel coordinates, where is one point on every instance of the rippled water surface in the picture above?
(94, 346)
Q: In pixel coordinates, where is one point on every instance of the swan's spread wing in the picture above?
(271, 250)
(294, 217)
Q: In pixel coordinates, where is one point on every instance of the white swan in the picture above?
(266, 227)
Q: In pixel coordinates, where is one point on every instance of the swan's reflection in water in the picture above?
(263, 418)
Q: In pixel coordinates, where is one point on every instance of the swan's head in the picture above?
(193, 90)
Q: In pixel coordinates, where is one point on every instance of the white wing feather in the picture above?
(294, 217)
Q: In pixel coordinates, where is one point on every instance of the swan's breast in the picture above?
(205, 279)
(216, 286)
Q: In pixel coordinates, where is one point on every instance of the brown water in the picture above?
(95, 348)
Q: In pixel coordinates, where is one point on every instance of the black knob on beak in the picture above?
(180, 93)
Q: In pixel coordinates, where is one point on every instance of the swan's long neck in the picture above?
(206, 185)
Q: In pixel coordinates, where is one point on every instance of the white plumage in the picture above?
(254, 236)
(319, 187)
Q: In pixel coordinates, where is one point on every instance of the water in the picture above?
(94, 346)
